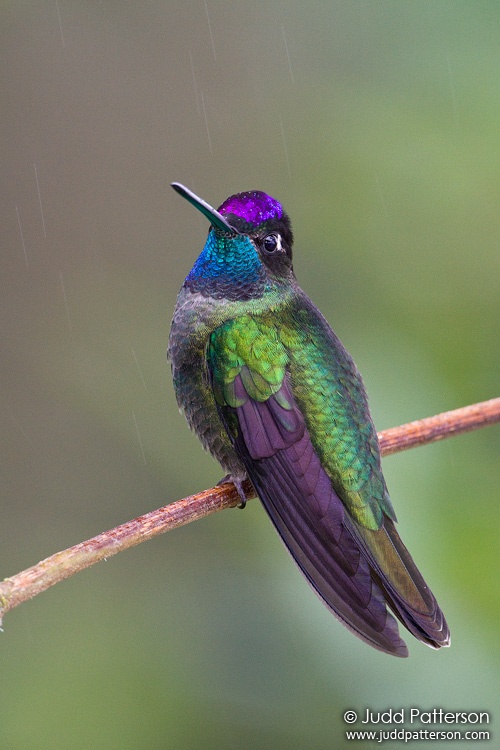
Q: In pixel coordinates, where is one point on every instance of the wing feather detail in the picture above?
(323, 491)
(356, 571)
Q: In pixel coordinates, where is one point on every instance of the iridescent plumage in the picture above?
(274, 396)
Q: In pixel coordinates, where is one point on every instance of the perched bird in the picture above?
(273, 395)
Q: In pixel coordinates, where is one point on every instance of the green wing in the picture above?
(295, 410)
(326, 388)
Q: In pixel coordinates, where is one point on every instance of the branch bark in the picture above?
(38, 578)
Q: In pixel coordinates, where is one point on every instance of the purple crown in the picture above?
(254, 207)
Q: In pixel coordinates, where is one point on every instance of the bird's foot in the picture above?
(238, 483)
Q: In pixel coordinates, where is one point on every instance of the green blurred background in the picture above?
(377, 124)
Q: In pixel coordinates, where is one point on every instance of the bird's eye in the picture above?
(271, 243)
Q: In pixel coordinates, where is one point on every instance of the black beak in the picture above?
(215, 218)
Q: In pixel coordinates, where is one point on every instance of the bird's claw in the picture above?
(238, 483)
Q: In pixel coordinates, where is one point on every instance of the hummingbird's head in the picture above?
(248, 249)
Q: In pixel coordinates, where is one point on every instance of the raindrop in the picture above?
(140, 371)
(60, 24)
(287, 54)
(210, 29)
(40, 201)
(22, 236)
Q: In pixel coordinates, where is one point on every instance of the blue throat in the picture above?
(228, 267)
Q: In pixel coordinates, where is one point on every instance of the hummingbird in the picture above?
(274, 396)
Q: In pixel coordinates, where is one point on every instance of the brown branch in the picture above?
(34, 580)
(444, 425)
